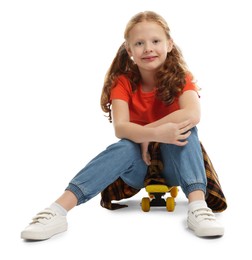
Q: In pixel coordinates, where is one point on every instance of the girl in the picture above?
(150, 96)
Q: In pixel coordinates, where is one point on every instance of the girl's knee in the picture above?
(126, 148)
(129, 146)
(194, 133)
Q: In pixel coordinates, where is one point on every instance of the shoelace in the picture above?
(43, 215)
(204, 214)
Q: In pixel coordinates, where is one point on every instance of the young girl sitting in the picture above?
(150, 96)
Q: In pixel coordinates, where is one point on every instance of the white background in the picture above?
(53, 58)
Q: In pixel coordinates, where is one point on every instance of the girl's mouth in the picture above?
(150, 58)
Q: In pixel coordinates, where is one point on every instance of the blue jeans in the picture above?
(183, 166)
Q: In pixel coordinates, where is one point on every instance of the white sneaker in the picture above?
(44, 225)
(203, 222)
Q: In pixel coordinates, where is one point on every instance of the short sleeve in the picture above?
(122, 90)
(190, 85)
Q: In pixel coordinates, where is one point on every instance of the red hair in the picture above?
(170, 79)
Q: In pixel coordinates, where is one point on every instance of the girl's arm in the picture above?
(189, 110)
(164, 131)
(124, 128)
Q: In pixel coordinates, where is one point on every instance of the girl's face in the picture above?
(148, 45)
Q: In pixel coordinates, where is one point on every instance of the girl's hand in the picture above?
(172, 133)
(145, 153)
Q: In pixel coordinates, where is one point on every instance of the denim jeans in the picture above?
(183, 166)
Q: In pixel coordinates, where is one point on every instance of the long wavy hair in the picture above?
(170, 78)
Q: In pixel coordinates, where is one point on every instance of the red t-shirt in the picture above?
(144, 107)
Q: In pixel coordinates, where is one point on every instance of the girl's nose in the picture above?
(147, 48)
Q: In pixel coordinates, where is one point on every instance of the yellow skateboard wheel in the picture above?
(145, 204)
(174, 191)
(170, 204)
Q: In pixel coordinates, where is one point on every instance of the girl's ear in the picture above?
(127, 49)
(170, 45)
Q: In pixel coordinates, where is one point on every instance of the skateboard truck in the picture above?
(156, 194)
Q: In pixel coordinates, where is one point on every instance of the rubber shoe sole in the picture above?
(206, 231)
(44, 225)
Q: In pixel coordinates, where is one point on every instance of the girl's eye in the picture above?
(156, 41)
(139, 43)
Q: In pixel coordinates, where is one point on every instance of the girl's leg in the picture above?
(122, 159)
(67, 200)
(184, 167)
